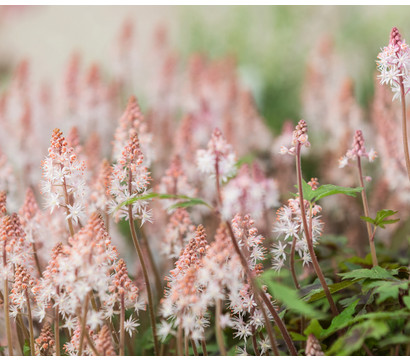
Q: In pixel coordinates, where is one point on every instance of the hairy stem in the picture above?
(309, 241)
(122, 321)
(83, 326)
(57, 326)
(144, 270)
(366, 213)
(33, 245)
(218, 329)
(404, 126)
(158, 283)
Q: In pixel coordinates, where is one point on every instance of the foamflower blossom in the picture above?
(393, 63)
(130, 179)
(288, 228)
(358, 150)
(218, 159)
(64, 183)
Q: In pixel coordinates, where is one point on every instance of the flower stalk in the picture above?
(309, 241)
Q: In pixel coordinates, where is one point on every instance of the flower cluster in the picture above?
(289, 229)
(358, 150)
(64, 183)
(183, 301)
(299, 138)
(393, 62)
(219, 159)
(130, 180)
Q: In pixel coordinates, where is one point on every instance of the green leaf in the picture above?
(381, 215)
(317, 295)
(386, 289)
(289, 297)
(395, 339)
(189, 203)
(376, 273)
(326, 190)
(296, 336)
(356, 336)
(153, 195)
(314, 328)
(340, 321)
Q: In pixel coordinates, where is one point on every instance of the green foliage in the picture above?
(289, 297)
(340, 321)
(379, 220)
(386, 289)
(375, 273)
(314, 328)
(190, 201)
(326, 190)
(320, 294)
(356, 336)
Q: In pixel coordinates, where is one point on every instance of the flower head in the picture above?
(219, 159)
(393, 62)
(358, 150)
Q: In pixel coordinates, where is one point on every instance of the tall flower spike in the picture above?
(394, 65)
(132, 122)
(393, 62)
(130, 179)
(64, 182)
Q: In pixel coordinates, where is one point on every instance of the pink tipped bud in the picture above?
(395, 37)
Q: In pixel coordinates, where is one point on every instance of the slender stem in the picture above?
(186, 345)
(83, 326)
(203, 343)
(6, 304)
(366, 213)
(57, 326)
(122, 330)
(179, 341)
(33, 245)
(218, 329)
(292, 263)
(57, 330)
(404, 126)
(144, 269)
(91, 344)
(309, 241)
(254, 342)
(195, 350)
(67, 200)
(146, 278)
(158, 284)
(30, 323)
(259, 294)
